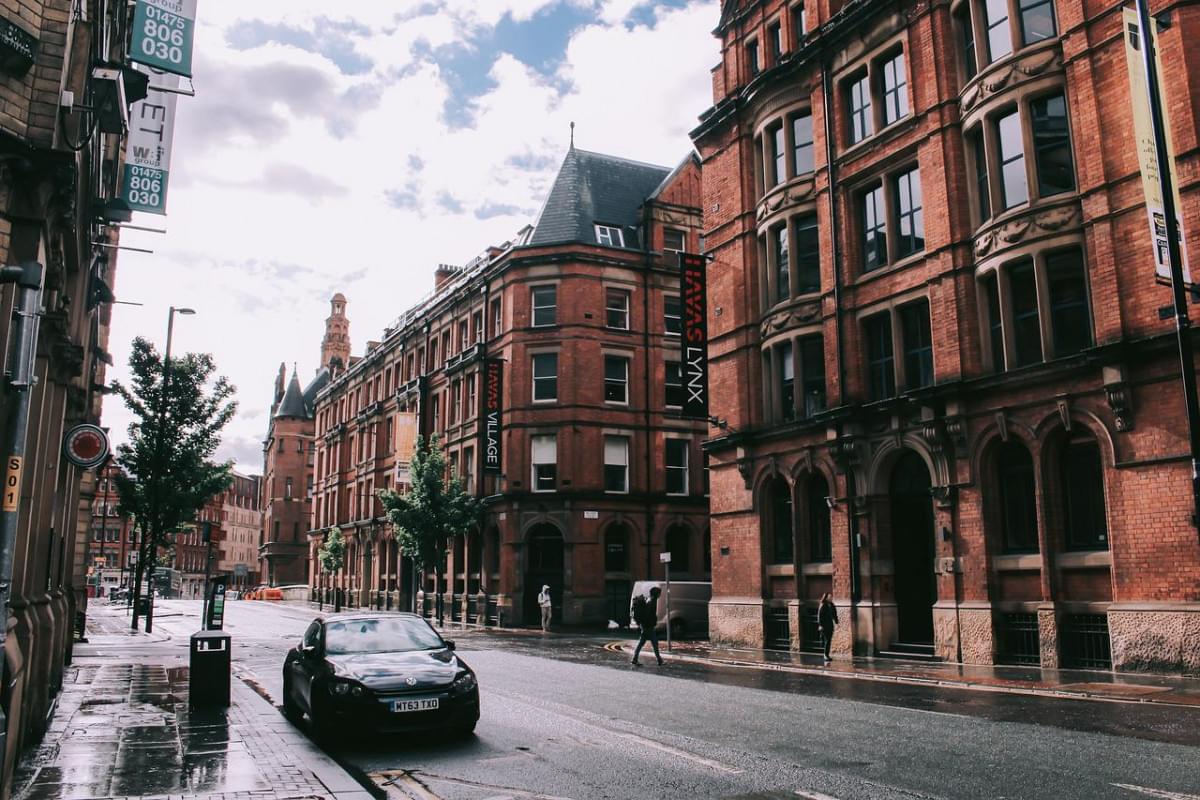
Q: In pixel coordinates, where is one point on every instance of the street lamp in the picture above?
(158, 445)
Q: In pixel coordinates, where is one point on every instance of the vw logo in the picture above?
(411, 681)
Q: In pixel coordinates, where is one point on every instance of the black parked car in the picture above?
(386, 672)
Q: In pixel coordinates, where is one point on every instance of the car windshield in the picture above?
(382, 635)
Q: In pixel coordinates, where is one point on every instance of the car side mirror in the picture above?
(308, 650)
(449, 643)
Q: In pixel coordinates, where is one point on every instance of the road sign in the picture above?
(664, 558)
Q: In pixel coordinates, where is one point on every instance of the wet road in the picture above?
(565, 718)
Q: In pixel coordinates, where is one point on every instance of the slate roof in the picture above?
(593, 188)
(292, 404)
(314, 387)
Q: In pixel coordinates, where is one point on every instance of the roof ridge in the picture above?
(622, 159)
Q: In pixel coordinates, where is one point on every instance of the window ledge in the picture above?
(819, 568)
(879, 137)
(780, 570)
(1018, 562)
(888, 269)
(1088, 559)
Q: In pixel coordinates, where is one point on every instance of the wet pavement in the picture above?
(123, 729)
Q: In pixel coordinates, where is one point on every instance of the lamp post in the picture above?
(158, 465)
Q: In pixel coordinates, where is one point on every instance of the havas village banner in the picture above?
(1143, 129)
(490, 411)
(163, 31)
(692, 284)
(148, 148)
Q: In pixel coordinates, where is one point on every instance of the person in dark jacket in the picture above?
(827, 618)
(646, 617)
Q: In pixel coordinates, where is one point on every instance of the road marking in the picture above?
(813, 795)
(401, 784)
(512, 792)
(1159, 793)
(675, 751)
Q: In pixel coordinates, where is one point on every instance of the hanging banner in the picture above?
(695, 334)
(1143, 129)
(148, 148)
(404, 444)
(162, 35)
(490, 413)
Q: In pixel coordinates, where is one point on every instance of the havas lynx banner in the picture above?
(162, 35)
(148, 148)
(694, 290)
(1143, 129)
(490, 420)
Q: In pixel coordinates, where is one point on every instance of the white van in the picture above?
(689, 606)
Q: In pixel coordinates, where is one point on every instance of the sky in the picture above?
(353, 147)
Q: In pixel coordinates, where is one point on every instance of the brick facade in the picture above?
(949, 398)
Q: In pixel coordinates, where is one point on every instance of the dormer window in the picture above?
(609, 236)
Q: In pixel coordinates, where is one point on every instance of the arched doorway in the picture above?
(617, 583)
(543, 565)
(912, 549)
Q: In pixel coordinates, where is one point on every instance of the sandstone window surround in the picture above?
(875, 95)
(544, 462)
(784, 148)
(616, 464)
(791, 257)
(616, 379)
(799, 25)
(890, 218)
(674, 240)
(544, 303)
(616, 309)
(897, 345)
(799, 354)
(1034, 305)
(545, 376)
(988, 31)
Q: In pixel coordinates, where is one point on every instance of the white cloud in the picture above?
(283, 167)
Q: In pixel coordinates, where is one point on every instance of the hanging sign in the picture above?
(86, 446)
(695, 334)
(162, 35)
(490, 424)
(18, 48)
(1143, 129)
(148, 149)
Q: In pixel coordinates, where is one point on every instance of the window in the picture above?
(812, 374)
(861, 123)
(1052, 145)
(778, 154)
(673, 385)
(895, 89)
(808, 255)
(1015, 183)
(609, 236)
(1070, 325)
(497, 318)
(616, 379)
(677, 466)
(787, 380)
(994, 322)
(979, 157)
(966, 34)
(616, 463)
(545, 306)
(477, 324)
(672, 315)
(1082, 476)
(881, 373)
(1027, 329)
(779, 257)
(802, 145)
(779, 507)
(918, 345)
(434, 408)
(472, 408)
(910, 237)
(674, 240)
(799, 24)
(468, 470)
(616, 309)
(287, 489)
(464, 336)
(752, 62)
(281, 444)
(1037, 20)
(999, 37)
(775, 38)
(1018, 506)
(820, 539)
(545, 377)
(455, 401)
(544, 457)
(874, 227)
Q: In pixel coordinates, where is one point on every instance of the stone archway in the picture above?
(912, 539)
(544, 562)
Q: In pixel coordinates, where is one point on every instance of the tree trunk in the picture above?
(150, 585)
(137, 586)
(440, 588)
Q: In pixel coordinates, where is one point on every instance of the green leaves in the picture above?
(333, 551)
(433, 511)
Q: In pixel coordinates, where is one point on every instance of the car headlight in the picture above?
(464, 683)
(347, 688)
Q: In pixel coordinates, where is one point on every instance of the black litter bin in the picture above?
(143, 606)
(208, 676)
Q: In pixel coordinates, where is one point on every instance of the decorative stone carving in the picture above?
(801, 314)
(845, 452)
(956, 430)
(1002, 425)
(1119, 397)
(1017, 230)
(799, 192)
(744, 469)
(1017, 72)
(931, 431)
(943, 496)
(1064, 413)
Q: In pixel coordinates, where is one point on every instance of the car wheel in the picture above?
(290, 709)
(324, 730)
(679, 629)
(463, 731)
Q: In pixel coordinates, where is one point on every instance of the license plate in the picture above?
(423, 704)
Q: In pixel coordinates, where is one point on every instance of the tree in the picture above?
(431, 513)
(332, 556)
(167, 468)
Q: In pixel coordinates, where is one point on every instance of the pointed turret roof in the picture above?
(293, 404)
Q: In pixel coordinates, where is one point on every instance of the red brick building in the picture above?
(288, 454)
(949, 398)
(242, 526)
(111, 543)
(598, 472)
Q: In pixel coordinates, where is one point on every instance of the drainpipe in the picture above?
(20, 380)
(835, 240)
(648, 255)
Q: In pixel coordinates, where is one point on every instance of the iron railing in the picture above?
(1018, 639)
(778, 629)
(1084, 641)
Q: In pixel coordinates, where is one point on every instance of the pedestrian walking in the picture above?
(645, 614)
(827, 618)
(547, 606)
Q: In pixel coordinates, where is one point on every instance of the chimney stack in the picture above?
(442, 275)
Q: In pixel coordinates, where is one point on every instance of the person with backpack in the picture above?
(645, 614)
(827, 618)
(547, 606)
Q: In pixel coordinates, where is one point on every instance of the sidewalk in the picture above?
(123, 730)
(1078, 684)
